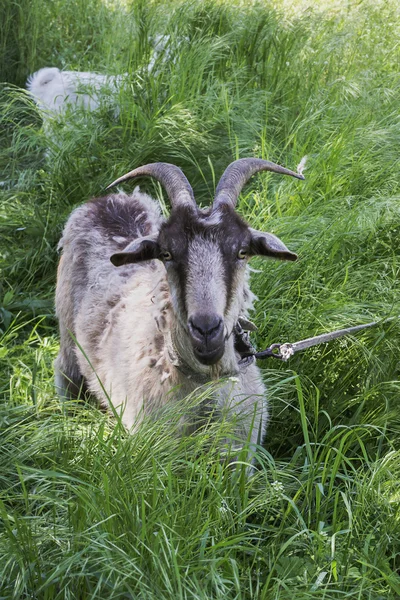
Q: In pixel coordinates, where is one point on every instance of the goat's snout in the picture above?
(205, 326)
(207, 333)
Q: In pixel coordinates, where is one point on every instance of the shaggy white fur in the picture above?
(55, 90)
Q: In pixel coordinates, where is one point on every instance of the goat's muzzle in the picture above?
(207, 336)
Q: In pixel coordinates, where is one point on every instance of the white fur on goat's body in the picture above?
(119, 316)
(55, 90)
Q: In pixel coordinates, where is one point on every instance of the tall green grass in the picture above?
(87, 511)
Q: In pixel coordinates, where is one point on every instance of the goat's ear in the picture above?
(267, 244)
(145, 248)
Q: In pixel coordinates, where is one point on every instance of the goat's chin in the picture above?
(209, 358)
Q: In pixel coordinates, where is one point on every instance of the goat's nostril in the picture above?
(206, 326)
(216, 328)
(193, 325)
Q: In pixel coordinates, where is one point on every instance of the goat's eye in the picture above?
(242, 254)
(166, 256)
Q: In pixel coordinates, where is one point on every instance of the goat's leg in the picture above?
(69, 382)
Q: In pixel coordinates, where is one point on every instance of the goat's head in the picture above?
(205, 252)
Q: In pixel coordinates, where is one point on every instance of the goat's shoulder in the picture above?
(112, 220)
(95, 231)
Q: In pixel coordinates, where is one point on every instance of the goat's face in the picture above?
(206, 276)
(205, 254)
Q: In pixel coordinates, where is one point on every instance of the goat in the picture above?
(147, 305)
(55, 90)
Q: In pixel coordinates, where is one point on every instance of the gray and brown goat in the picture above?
(147, 305)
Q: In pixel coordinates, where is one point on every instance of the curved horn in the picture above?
(171, 177)
(238, 173)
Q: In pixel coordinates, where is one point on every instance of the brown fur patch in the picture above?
(163, 322)
(159, 342)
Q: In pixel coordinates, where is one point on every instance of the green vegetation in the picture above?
(87, 511)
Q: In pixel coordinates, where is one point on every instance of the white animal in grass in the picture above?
(153, 304)
(55, 90)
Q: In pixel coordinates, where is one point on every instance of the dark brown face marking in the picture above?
(226, 230)
(205, 272)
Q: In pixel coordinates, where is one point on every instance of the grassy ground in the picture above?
(87, 511)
